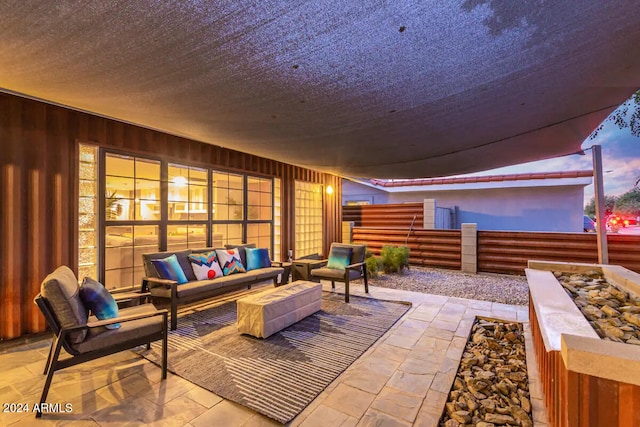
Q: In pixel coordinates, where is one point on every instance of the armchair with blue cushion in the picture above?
(66, 308)
(345, 263)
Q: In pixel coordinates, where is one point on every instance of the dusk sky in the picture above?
(620, 161)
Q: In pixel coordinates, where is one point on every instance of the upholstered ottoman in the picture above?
(268, 312)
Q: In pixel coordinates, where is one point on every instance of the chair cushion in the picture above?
(102, 338)
(205, 265)
(62, 292)
(230, 262)
(257, 258)
(98, 299)
(339, 257)
(183, 260)
(169, 268)
(334, 274)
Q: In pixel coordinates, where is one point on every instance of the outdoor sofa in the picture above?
(194, 289)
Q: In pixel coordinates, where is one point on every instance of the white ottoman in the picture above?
(268, 312)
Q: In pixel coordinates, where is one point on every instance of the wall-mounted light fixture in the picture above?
(329, 189)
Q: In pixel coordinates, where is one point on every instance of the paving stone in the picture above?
(375, 418)
(204, 397)
(349, 400)
(417, 384)
(397, 404)
(401, 341)
(447, 326)
(225, 413)
(442, 382)
(421, 366)
(324, 416)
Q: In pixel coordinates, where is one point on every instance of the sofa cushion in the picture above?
(230, 262)
(339, 257)
(205, 265)
(62, 292)
(199, 286)
(268, 273)
(98, 299)
(257, 258)
(183, 260)
(169, 268)
(102, 338)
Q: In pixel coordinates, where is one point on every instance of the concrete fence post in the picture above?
(429, 214)
(347, 231)
(469, 248)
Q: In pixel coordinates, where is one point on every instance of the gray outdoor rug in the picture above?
(278, 376)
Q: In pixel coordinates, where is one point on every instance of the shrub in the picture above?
(373, 264)
(394, 258)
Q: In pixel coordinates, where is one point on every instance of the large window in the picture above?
(131, 217)
(259, 211)
(308, 218)
(151, 205)
(227, 195)
(188, 207)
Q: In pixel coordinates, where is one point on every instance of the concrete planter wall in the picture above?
(586, 381)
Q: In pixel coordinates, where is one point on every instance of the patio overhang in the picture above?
(389, 90)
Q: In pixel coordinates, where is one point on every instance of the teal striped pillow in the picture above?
(339, 258)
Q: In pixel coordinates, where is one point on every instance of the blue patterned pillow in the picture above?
(230, 261)
(98, 299)
(169, 268)
(205, 265)
(339, 258)
(257, 258)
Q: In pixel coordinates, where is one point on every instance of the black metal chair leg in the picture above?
(333, 284)
(164, 349)
(48, 364)
(51, 371)
(366, 278)
(174, 309)
(346, 289)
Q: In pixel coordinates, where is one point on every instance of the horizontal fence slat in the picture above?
(509, 251)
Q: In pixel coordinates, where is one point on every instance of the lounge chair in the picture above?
(85, 337)
(345, 263)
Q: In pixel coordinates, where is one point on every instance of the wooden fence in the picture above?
(392, 215)
(429, 248)
(508, 252)
(501, 251)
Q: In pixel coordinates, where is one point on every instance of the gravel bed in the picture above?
(487, 287)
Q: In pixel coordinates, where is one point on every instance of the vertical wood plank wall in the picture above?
(38, 157)
(578, 400)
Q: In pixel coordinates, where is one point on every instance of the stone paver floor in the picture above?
(402, 380)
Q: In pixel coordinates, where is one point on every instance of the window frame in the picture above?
(163, 223)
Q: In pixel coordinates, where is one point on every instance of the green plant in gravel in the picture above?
(373, 264)
(394, 258)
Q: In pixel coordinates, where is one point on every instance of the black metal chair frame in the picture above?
(60, 341)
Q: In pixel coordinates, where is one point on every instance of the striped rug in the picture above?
(278, 376)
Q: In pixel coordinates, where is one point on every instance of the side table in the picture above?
(301, 268)
(284, 277)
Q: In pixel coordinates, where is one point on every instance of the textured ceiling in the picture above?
(386, 89)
